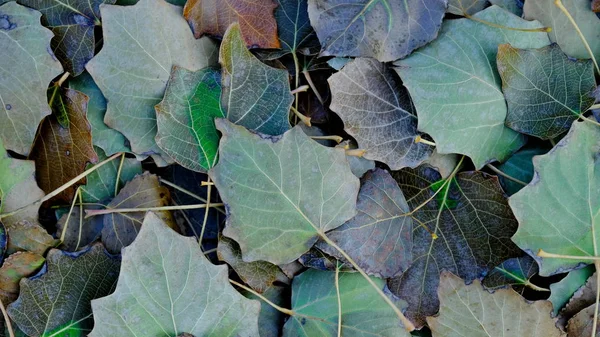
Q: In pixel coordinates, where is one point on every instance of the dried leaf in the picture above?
(14, 268)
(27, 236)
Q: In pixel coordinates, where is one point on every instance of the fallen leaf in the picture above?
(562, 291)
(515, 272)
(255, 18)
(544, 89)
(469, 7)
(293, 25)
(185, 118)
(469, 310)
(379, 237)
(270, 320)
(56, 302)
(281, 192)
(513, 6)
(382, 30)
(80, 231)
(377, 111)
(456, 89)
(30, 237)
(188, 292)
(582, 323)
(261, 104)
(581, 299)
(14, 268)
(519, 166)
(28, 65)
(141, 44)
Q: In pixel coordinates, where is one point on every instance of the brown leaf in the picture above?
(120, 229)
(27, 236)
(582, 298)
(581, 324)
(256, 19)
(15, 267)
(596, 6)
(63, 148)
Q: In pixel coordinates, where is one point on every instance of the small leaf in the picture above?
(188, 293)
(384, 30)
(262, 103)
(563, 290)
(259, 275)
(185, 118)
(379, 237)
(469, 310)
(377, 111)
(295, 32)
(255, 18)
(120, 229)
(364, 313)
(281, 192)
(14, 268)
(62, 153)
(27, 236)
(545, 90)
(515, 272)
(56, 302)
(581, 299)
(28, 65)
(141, 44)
(558, 210)
(520, 166)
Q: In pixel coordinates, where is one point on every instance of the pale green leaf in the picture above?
(564, 289)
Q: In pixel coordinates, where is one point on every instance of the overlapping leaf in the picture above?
(564, 289)
(456, 89)
(293, 26)
(469, 310)
(468, 7)
(560, 210)
(14, 268)
(281, 192)
(185, 118)
(364, 313)
(27, 66)
(188, 293)
(519, 166)
(378, 113)
(385, 30)
(545, 90)
(255, 18)
(61, 152)
(473, 224)
(515, 272)
(254, 95)
(379, 237)
(29, 237)
(57, 301)
(141, 44)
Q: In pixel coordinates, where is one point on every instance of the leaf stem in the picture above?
(62, 79)
(304, 119)
(542, 253)
(313, 87)
(64, 230)
(497, 171)
(491, 24)
(589, 120)
(119, 173)
(337, 139)
(419, 139)
(302, 88)
(94, 212)
(339, 300)
(206, 211)
(594, 107)
(356, 152)
(191, 194)
(266, 300)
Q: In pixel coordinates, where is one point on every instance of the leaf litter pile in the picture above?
(299, 168)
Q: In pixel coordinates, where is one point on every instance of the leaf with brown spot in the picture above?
(28, 236)
(14, 268)
(256, 19)
(62, 150)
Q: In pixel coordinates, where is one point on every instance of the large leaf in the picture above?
(563, 32)
(109, 140)
(27, 66)
(385, 30)
(254, 95)
(120, 229)
(560, 209)
(564, 289)
(185, 117)
(281, 192)
(294, 29)
(167, 287)
(62, 152)
(141, 44)
(72, 22)
(378, 113)
(56, 302)
(473, 224)
(364, 313)
(255, 17)
(457, 91)
(469, 310)
(545, 90)
(379, 237)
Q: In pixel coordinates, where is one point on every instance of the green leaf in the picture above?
(563, 32)
(270, 320)
(72, 22)
(27, 66)
(520, 166)
(187, 292)
(379, 237)
(515, 272)
(120, 229)
(261, 103)
(469, 7)
(185, 117)
(473, 223)
(581, 299)
(141, 44)
(560, 209)
(293, 26)
(109, 140)
(56, 302)
(562, 291)
(364, 313)
(377, 111)
(455, 87)
(545, 90)
(469, 310)
(513, 6)
(381, 29)
(281, 192)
